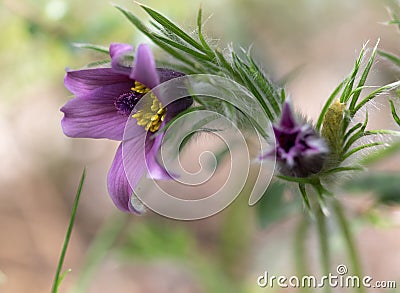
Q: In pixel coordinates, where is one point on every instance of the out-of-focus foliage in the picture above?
(385, 186)
(274, 206)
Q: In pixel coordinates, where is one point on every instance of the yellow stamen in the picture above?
(151, 115)
(140, 88)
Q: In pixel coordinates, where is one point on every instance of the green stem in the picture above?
(234, 241)
(345, 229)
(105, 238)
(58, 278)
(300, 250)
(323, 243)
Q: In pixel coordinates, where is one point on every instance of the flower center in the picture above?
(126, 102)
(151, 115)
(287, 141)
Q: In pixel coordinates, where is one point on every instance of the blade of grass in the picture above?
(57, 278)
(394, 114)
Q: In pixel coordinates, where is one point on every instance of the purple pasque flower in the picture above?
(104, 100)
(299, 150)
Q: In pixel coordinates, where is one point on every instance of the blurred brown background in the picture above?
(40, 167)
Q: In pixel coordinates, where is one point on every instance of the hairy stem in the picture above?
(348, 237)
(323, 243)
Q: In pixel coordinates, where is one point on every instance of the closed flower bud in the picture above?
(299, 151)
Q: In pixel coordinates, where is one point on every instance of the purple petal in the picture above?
(118, 185)
(166, 74)
(177, 106)
(155, 170)
(144, 69)
(268, 154)
(92, 118)
(287, 119)
(133, 149)
(117, 52)
(100, 82)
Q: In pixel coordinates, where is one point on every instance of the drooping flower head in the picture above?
(104, 100)
(299, 151)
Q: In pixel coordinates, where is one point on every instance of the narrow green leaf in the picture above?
(167, 24)
(140, 26)
(57, 278)
(248, 81)
(394, 114)
(350, 80)
(359, 148)
(382, 131)
(186, 140)
(363, 77)
(283, 96)
(360, 133)
(98, 48)
(63, 275)
(183, 48)
(199, 31)
(381, 154)
(225, 64)
(303, 192)
(295, 179)
(372, 95)
(351, 130)
(133, 19)
(272, 95)
(390, 57)
(177, 66)
(343, 169)
(327, 104)
(394, 21)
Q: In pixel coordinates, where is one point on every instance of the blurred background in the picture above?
(316, 40)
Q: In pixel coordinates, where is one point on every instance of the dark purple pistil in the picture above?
(126, 102)
(287, 140)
